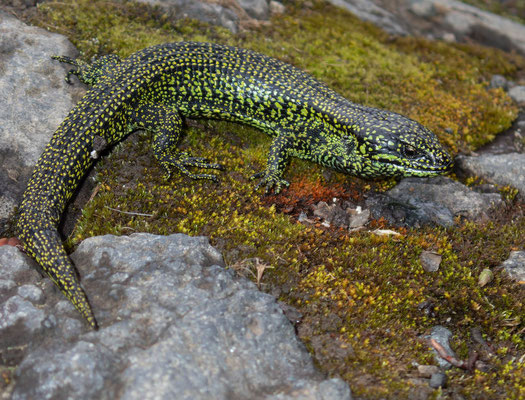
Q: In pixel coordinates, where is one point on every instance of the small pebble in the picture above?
(430, 261)
(518, 94)
(358, 217)
(276, 7)
(423, 9)
(449, 37)
(438, 380)
(426, 371)
(442, 336)
(498, 81)
(485, 277)
(302, 217)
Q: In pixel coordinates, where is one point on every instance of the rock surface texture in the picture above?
(437, 201)
(450, 20)
(501, 169)
(175, 324)
(28, 75)
(485, 27)
(514, 266)
(228, 14)
(368, 11)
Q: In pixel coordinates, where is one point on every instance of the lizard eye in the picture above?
(410, 151)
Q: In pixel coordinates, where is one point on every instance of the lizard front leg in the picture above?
(166, 125)
(272, 176)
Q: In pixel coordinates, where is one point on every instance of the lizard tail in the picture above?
(45, 246)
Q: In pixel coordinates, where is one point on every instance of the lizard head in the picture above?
(385, 144)
(89, 73)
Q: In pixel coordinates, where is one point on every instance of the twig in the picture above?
(444, 355)
(260, 270)
(94, 193)
(471, 363)
(129, 212)
(478, 337)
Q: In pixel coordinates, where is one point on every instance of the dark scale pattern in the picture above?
(155, 88)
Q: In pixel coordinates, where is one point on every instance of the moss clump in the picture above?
(98, 27)
(361, 294)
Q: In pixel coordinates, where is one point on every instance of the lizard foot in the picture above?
(270, 181)
(182, 161)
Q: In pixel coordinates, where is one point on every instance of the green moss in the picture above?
(98, 27)
(360, 289)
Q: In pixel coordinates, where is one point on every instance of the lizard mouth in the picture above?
(425, 168)
(422, 166)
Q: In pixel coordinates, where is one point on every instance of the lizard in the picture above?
(156, 88)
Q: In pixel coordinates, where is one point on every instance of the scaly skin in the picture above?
(155, 88)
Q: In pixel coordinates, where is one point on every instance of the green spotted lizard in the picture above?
(156, 88)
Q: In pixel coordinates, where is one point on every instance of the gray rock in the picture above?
(485, 27)
(454, 20)
(438, 380)
(276, 7)
(32, 293)
(331, 214)
(174, 323)
(430, 261)
(510, 141)
(442, 336)
(211, 13)
(368, 11)
(449, 20)
(416, 201)
(307, 390)
(225, 14)
(258, 9)
(427, 371)
(358, 217)
(515, 266)
(335, 214)
(29, 76)
(21, 316)
(423, 8)
(20, 4)
(500, 169)
(518, 94)
(498, 81)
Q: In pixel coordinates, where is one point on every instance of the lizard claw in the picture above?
(269, 181)
(183, 160)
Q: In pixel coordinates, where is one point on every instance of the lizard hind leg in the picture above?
(88, 73)
(45, 246)
(166, 125)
